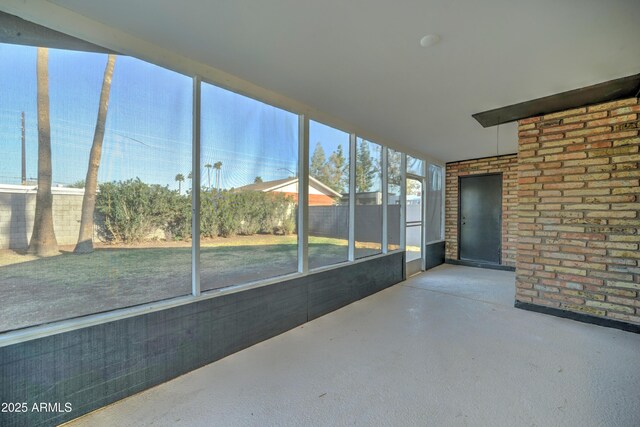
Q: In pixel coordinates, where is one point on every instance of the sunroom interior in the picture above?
(285, 213)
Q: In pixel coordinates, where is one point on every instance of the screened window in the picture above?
(368, 209)
(434, 204)
(415, 166)
(131, 236)
(394, 182)
(249, 189)
(328, 195)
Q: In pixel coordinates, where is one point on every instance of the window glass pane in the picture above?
(394, 180)
(415, 166)
(368, 221)
(414, 219)
(434, 204)
(249, 189)
(328, 195)
(135, 244)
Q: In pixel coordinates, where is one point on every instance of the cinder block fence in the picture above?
(17, 210)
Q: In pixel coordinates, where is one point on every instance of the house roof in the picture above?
(279, 183)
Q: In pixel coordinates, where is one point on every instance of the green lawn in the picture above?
(38, 290)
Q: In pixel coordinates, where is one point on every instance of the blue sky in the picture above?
(148, 123)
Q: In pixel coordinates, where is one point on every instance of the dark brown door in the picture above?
(481, 218)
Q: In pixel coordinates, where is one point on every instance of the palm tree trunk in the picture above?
(43, 238)
(85, 236)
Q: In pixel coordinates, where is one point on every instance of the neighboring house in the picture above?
(368, 198)
(319, 193)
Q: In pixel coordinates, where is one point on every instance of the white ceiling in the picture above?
(360, 60)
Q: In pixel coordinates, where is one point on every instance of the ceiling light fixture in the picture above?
(429, 40)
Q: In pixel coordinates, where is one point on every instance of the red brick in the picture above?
(529, 120)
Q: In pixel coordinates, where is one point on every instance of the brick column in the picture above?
(579, 183)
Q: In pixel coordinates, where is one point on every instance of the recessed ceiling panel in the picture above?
(361, 60)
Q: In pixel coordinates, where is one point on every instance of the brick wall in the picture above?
(508, 166)
(578, 211)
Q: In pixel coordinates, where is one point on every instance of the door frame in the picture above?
(460, 178)
(423, 236)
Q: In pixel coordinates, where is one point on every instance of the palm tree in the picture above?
(208, 166)
(180, 179)
(217, 166)
(43, 239)
(85, 236)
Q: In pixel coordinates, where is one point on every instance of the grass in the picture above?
(116, 264)
(38, 290)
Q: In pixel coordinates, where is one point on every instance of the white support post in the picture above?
(385, 200)
(423, 238)
(195, 191)
(403, 202)
(353, 140)
(303, 194)
(443, 188)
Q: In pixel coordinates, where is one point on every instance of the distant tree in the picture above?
(180, 180)
(317, 166)
(338, 171)
(257, 180)
(394, 168)
(218, 167)
(414, 188)
(85, 235)
(77, 184)
(366, 169)
(43, 238)
(394, 177)
(208, 166)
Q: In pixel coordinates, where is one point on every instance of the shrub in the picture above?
(178, 221)
(209, 201)
(250, 207)
(129, 211)
(226, 215)
(250, 212)
(280, 214)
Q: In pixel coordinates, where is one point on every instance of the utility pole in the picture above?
(24, 159)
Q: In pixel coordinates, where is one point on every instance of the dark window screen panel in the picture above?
(415, 166)
(434, 203)
(328, 195)
(414, 219)
(249, 190)
(394, 181)
(368, 209)
(139, 230)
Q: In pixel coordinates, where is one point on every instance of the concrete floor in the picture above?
(443, 348)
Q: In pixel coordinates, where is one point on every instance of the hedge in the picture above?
(132, 211)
